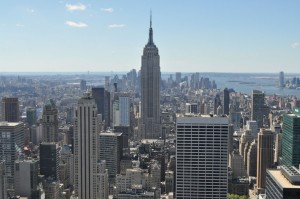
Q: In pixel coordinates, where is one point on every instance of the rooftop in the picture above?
(203, 119)
(9, 123)
(281, 180)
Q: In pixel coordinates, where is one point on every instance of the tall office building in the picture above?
(3, 181)
(49, 160)
(50, 122)
(281, 79)
(10, 109)
(291, 139)
(31, 116)
(150, 124)
(85, 148)
(225, 101)
(121, 110)
(178, 77)
(102, 99)
(26, 178)
(11, 144)
(201, 157)
(264, 156)
(111, 150)
(283, 183)
(257, 107)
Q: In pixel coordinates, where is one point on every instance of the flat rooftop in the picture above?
(281, 180)
(202, 119)
(9, 123)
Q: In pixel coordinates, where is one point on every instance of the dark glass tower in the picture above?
(291, 139)
(49, 160)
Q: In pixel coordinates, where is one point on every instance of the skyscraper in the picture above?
(49, 160)
(225, 101)
(85, 148)
(264, 156)
(150, 124)
(11, 144)
(111, 150)
(201, 157)
(257, 107)
(10, 109)
(281, 79)
(26, 178)
(50, 122)
(291, 139)
(102, 99)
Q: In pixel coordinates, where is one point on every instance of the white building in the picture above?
(201, 157)
(252, 127)
(11, 144)
(26, 177)
(85, 148)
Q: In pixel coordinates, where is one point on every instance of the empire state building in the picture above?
(150, 124)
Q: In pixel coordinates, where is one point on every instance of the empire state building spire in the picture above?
(150, 40)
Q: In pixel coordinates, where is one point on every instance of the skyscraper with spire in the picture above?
(150, 125)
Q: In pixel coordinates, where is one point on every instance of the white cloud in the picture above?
(110, 10)
(116, 25)
(295, 45)
(31, 10)
(76, 24)
(74, 7)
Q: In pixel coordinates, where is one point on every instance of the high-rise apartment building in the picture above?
(50, 122)
(11, 144)
(10, 109)
(257, 107)
(201, 157)
(111, 150)
(150, 124)
(265, 157)
(291, 139)
(85, 148)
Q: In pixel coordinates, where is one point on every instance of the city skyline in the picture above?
(214, 36)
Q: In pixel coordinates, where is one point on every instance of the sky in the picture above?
(109, 35)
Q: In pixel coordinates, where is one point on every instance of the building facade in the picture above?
(265, 157)
(85, 148)
(10, 109)
(201, 157)
(291, 139)
(258, 101)
(50, 122)
(11, 144)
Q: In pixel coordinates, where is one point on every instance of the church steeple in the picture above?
(150, 40)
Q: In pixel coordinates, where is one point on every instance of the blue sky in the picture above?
(109, 35)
